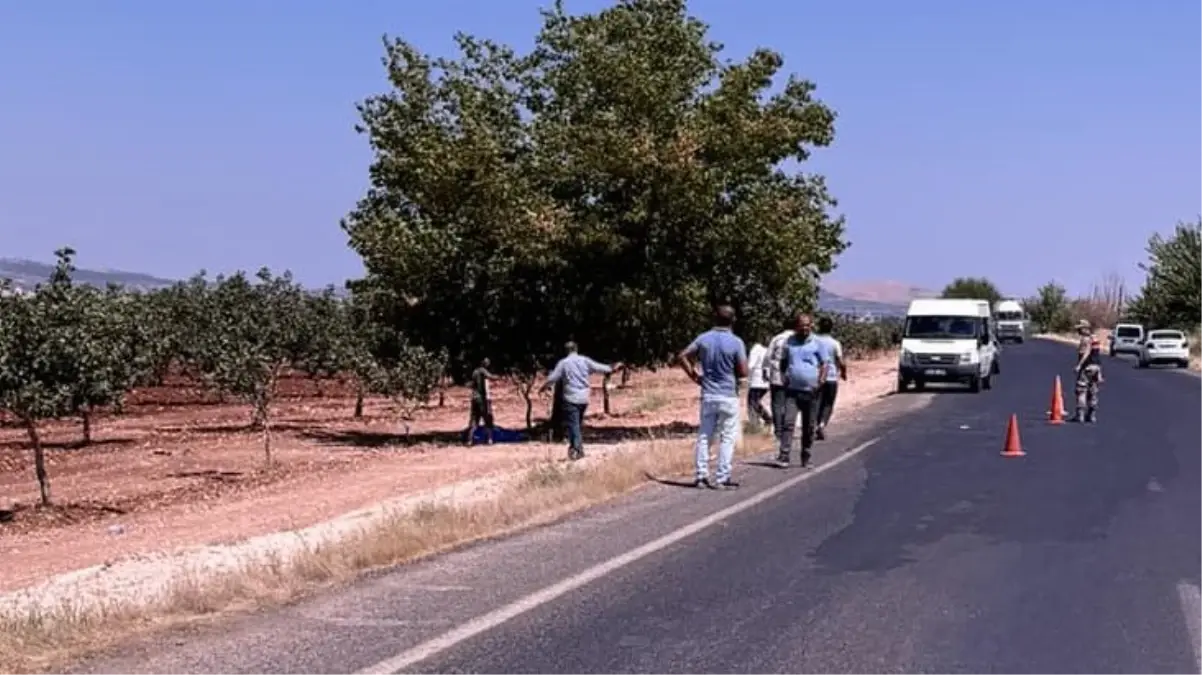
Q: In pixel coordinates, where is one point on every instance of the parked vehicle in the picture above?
(1164, 346)
(948, 340)
(1125, 339)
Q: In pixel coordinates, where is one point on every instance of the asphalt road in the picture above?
(926, 552)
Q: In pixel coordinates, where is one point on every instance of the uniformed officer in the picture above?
(1089, 374)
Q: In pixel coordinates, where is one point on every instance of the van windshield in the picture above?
(1008, 316)
(1128, 331)
(941, 327)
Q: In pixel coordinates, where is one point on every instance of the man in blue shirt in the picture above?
(804, 365)
(574, 371)
(723, 359)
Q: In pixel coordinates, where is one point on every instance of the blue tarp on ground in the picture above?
(499, 435)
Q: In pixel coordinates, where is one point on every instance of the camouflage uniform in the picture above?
(1089, 375)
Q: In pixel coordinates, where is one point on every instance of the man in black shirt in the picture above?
(481, 402)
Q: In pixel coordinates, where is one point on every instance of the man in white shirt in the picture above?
(829, 390)
(757, 383)
(776, 379)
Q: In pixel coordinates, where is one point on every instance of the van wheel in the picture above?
(919, 385)
(902, 384)
(1020, 340)
(974, 385)
(1183, 364)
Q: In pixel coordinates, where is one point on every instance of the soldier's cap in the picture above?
(1082, 324)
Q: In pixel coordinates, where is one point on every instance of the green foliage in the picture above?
(1050, 309)
(864, 339)
(972, 288)
(1172, 292)
(606, 187)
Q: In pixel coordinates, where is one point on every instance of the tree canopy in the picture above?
(607, 186)
(1172, 291)
(972, 288)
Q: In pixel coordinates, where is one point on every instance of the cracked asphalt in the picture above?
(927, 552)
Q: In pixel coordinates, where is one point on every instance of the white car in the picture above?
(1126, 337)
(1164, 346)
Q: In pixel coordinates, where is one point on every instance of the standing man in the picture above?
(805, 366)
(757, 383)
(776, 381)
(836, 370)
(723, 359)
(1089, 374)
(481, 402)
(573, 371)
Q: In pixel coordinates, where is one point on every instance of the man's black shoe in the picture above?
(727, 484)
(782, 461)
(820, 434)
(702, 483)
(805, 458)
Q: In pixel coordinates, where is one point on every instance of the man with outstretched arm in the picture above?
(723, 359)
(804, 364)
(574, 370)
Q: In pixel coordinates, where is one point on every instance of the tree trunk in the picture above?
(442, 391)
(267, 441)
(605, 393)
(526, 396)
(261, 410)
(86, 414)
(359, 401)
(625, 378)
(258, 416)
(39, 461)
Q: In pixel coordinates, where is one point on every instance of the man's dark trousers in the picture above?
(574, 422)
(776, 401)
(826, 403)
(806, 403)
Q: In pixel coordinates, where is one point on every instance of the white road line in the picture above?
(499, 616)
(1191, 607)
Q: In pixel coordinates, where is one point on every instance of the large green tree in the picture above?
(606, 187)
(972, 288)
(1172, 291)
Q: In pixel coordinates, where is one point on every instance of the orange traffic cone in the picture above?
(1014, 445)
(1056, 415)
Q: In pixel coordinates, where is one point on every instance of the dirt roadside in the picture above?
(210, 525)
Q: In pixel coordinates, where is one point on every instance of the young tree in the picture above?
(409, 375)
(1050, 308)
(39, 361)
(255, 332)
(972, 288)
(118, 351)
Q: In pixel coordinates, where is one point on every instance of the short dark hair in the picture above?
(724, 315)
(825, 324)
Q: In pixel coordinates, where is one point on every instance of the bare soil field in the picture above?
(179, 469)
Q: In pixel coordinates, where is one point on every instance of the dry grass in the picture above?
(38, 640)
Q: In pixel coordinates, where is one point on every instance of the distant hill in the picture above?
(875, 298)
(25, 274)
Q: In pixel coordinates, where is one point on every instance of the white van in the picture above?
(948, 340)
(1011, 321)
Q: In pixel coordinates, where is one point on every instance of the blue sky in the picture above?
(1022, 140)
